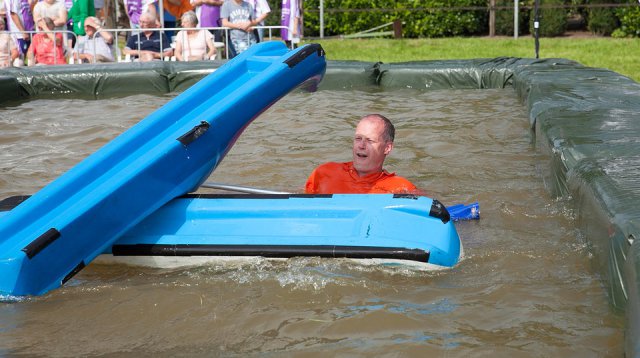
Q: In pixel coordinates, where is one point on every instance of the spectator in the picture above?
(98, 5)
(56, 10)
(53, 9)
(208, 13)
(177, 7)
(96, 45)
(8, 48)
(46, 47)
(292, 20)
(261, 10)
(20, 19)
(148, 44)
(135, 9)
(80, 10)
(238, 15)
(193, 45)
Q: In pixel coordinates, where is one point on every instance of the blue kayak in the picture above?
(373, 226)
(52, 235)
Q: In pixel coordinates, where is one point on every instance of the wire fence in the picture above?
(117, 46)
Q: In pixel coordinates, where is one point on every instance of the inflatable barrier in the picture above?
(586, 117)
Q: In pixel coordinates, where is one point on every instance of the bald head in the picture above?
(389, 132)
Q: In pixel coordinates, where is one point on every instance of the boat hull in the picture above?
(376, 226)
(56, 232)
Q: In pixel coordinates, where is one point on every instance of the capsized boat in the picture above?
(53, 234)
(406, 228)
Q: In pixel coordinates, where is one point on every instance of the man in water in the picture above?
(372, 143)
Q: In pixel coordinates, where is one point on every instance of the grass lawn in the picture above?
(619, 55)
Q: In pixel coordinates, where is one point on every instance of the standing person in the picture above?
(80, 10)
(146, 45)
(54, 9)
(175, 8)
(261, 10)
(46, 48)
(135, 9)
(292, 20)
(8, 48)
(20, 19)
(208, 13)
(372, 142)
(238, 15)
(193, 45)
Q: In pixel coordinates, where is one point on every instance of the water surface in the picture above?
(525, 287)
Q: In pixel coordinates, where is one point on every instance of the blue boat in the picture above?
(53, 234)
(399, 228)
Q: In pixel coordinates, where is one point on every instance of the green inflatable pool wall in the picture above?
(587, 118)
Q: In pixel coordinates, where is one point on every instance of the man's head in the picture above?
(372, 143)
(147, 20)
(91, 23)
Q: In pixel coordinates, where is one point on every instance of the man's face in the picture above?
(147, 23)
(369, 147)
(89, 29)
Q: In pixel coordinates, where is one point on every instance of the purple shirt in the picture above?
(209, 15)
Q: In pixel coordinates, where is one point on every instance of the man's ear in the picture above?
(388, 147)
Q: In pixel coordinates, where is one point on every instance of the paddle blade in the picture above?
(464, 212)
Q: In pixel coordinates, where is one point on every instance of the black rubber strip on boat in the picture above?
(11, 202)
(439, 211)
(73, 272)
(273, 251)
(304, 53)
(41, 242)
(255, 196)
(194, 133)
(406, 196)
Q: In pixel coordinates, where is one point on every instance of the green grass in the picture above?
(619, 55)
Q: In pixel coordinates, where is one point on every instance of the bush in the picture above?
(416, 22)
(629, 22)
(504, 18)
(602, 21)
(553, 21)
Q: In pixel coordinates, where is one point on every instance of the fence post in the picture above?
(397, 29)
(321, 19)
(516, 20)
(492, 18)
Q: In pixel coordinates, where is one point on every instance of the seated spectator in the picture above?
(148, 45)
(8, 48)
(95, 46)
(193, 45)
(46, 47)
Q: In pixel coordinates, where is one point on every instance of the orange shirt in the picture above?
(177, 10)
(342, 178)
